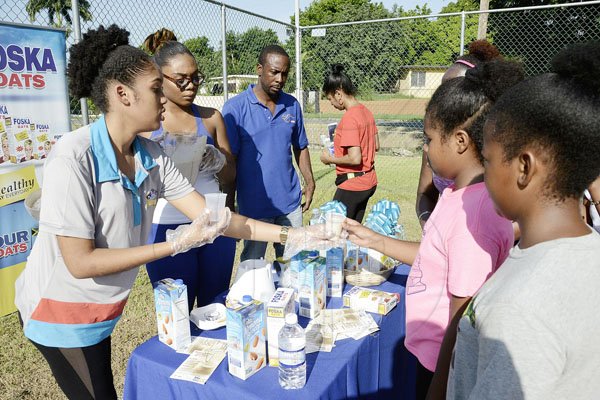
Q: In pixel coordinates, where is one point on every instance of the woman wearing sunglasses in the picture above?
(205, 270)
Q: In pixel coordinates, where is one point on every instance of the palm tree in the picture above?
(57, 11)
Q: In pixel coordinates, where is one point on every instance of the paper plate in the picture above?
(209, 317)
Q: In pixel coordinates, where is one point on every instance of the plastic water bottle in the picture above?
(315, 216)
(292, 356)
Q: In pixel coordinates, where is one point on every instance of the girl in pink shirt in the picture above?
(464, 240)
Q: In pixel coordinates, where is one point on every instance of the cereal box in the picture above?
(43, 143)
(356, 257)
(335, 271)
(172, 314)
(281, 304)
(312, 286)
(21, 143)
(246, 334)
(5, 129)
(375, 301)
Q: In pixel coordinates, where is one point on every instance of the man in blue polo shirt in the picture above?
(263, 125)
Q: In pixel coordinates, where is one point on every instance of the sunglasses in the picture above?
(184, 81)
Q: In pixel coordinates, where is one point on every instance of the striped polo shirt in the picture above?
(84, 195)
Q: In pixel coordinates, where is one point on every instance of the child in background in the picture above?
(532, 330)
(465, 240)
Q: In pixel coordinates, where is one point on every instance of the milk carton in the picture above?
(290, 269)
(5, 130)
(281, 304)
(246, 331)
(22, 148)
(356, 258)
(43, 143)
(375, 301)
(335, 271)
(312, 286)
(172, 314)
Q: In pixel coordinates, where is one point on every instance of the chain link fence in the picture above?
(396, 63)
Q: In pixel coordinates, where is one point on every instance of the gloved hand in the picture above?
(313, 237)
(212, 161)
(200, 232)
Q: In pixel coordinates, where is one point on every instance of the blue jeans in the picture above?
(254, 250)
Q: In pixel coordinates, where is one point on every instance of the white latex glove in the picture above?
(200, 232)
(313, 237)
(212, 161)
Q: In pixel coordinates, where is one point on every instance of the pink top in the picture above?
(464, 242)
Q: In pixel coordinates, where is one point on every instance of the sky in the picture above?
(282, 9)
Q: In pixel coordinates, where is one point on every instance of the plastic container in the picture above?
(292, 356)
(315, 216)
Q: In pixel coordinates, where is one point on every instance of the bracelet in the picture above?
(423, 214)
(283, 234)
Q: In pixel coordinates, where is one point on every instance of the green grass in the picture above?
(25, 374)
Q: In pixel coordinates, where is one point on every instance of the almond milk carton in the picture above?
(22, 146)
(172, 313)
(246, 338)
(312, 286)
(281, 304)
(335, 271)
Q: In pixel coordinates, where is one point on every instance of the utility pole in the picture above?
(484, 5)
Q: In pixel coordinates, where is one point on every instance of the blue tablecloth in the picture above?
(377, 366)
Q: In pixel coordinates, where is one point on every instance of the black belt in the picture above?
(341, 178)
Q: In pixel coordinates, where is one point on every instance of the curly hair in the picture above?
(465, 101)
(337, 79)
(164, 46)
(104, 55)
(556, 113)
(481, 51)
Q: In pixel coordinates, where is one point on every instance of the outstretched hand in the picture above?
(360, 234)
(200, 232)
(313, 237)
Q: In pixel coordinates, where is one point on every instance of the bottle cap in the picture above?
(246, 299)
(291, 319)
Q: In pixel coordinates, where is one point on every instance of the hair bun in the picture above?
(154, 41)
(581, 63)
(495, 76)
(87, 57)
(337, 69)
(483, 50)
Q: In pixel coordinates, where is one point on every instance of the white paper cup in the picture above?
(333, 224)
(215, 202)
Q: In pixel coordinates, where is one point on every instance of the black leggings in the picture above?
(82, 372)
(424, 378)
(355, 202)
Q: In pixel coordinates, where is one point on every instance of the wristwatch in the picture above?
(283, 234)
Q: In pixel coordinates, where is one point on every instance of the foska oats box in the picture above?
(43, 140)
(312, 286)
(375, 301)
(246, 338)
(281, 304)
(172, 313)
(22, 147)
(5, 129)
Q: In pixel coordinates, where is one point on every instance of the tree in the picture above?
(58, 11)
(243, 49)
(208, 59)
